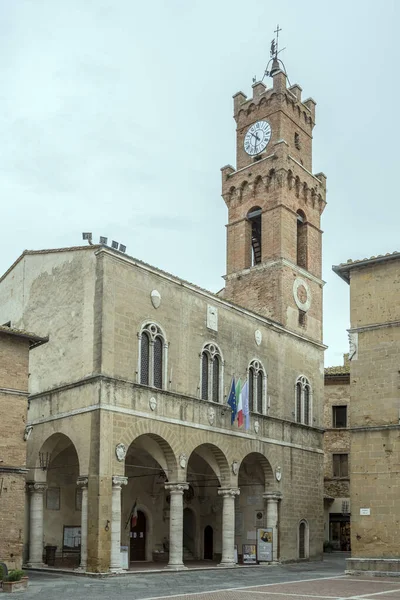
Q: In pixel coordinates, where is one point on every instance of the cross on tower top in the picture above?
(275, 43)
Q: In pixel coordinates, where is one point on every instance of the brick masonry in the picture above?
(14, 354)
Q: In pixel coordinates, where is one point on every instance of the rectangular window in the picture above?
(302, 318)
(339, 416)
(340, 465)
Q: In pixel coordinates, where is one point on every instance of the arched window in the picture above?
(145, 355)
(303, 401)
(257, 387)
(152, 356)
(301, 257)
(211, 384)
(204, 375)
(254, 218)
(303, 539)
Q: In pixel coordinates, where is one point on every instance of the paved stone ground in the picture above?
(319, 581)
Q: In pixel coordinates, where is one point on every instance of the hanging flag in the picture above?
(132, 519)
(246, 408)
(232, 401)
(239, 403)
(134, 516)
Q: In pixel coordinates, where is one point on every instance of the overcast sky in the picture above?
(116, 116)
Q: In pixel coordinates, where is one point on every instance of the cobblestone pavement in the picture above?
(319, 581)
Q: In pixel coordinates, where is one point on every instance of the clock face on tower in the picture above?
(257, 137)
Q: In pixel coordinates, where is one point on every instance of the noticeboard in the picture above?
(249, 553)
(264, 544)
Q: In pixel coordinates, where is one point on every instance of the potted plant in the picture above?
(15, 581)
(328, 546)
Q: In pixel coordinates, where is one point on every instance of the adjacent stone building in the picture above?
(374, 411)
(128, 401)
(14, 371)
(337, 455)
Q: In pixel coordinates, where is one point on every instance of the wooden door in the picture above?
(138, 538)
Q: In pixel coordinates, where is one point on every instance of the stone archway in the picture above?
(149, 463)
(55, 508)
(258, 503)
(208, 472)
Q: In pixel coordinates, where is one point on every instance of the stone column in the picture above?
(83, 484)
(272, 499)
(176, 525)
(117, 483)
(36, 490)
(228, 526)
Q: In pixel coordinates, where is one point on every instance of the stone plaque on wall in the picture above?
(212, 317)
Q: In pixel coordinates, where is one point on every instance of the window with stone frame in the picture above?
(339, 416)
(152, 356)
(211, 372)
(303, 401)
(340, 465)
(257, 387)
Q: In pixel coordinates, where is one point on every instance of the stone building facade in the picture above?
(14, 371)
(374, 411)
(337, 455)
(128, 400)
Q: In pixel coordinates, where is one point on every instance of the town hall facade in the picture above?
(128, 404)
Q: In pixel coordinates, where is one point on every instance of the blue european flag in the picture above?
(232, 402)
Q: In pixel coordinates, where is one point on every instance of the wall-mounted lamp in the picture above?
(107, 527)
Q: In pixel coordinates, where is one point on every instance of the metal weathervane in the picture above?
(275, 64)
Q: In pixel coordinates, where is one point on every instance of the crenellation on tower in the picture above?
(259, 88)
(296, 91)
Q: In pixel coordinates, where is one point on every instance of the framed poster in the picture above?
(72, 538)
(264, 544)
(249, 552)
(53, 498)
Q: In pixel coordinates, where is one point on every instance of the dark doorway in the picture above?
(208, 543)
(302, 540)
(138, 538)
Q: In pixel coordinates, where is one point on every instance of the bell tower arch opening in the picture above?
(254, 219)
(301, 240)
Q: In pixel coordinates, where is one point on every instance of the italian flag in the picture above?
(239, 403)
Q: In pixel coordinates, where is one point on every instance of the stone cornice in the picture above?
(195, 426)
(13, 392)
(374, 326)
(273, 263)
(14, 470)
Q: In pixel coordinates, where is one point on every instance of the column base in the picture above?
(36, 565)
(178, 567)
(80, 569)
(117, 570)
(226, 565)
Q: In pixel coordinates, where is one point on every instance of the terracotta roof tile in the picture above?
(35, 340)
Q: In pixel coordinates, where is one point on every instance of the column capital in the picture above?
(229, 492)
(38, 487)
(119, 481)
(82, 481)
(176, 488)
(272, 496)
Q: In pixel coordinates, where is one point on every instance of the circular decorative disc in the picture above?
(302, 294)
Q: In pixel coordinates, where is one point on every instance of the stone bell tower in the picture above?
(274, 208)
